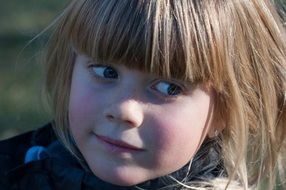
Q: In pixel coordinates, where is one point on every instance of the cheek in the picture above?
(82, 109)
(177, 137)
(179, 130)
(78, 104)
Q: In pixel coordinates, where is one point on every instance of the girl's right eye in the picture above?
(104, 72)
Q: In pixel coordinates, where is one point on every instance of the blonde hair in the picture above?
(239, 46)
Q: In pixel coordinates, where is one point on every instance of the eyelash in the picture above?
(170, 89)
(163, 88)
(113, 74)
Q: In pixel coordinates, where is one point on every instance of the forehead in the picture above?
(161, 37)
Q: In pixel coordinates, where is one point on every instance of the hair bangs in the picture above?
(165, 38)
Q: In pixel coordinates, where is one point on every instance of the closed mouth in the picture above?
(118, 143)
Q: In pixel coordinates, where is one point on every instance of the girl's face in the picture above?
(132, 126)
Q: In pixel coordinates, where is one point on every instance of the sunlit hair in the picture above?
(238, 46)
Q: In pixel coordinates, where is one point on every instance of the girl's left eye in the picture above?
(167, 89)
(104, 72)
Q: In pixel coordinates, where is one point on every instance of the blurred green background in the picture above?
(21, 72)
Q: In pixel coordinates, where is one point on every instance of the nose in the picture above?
(125, 111)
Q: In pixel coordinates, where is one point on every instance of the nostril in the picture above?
(128, 122)
(110, 117)
(127, 112)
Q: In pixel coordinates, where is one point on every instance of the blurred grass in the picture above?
(21, 73)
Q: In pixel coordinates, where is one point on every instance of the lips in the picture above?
(118, 143)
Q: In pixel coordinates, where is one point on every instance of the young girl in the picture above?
(159, 94)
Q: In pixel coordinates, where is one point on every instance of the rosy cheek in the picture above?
(81, 104)
(173, 134)
(79, 107)
(80, 116)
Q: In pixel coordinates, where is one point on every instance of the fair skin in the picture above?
(132, 126)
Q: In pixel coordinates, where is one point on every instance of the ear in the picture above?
(214, 132)
(218, 120)
(216, 128)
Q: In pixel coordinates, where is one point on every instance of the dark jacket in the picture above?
(37, 160)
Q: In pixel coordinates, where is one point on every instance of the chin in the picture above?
(130, 181)
(122, 179)
(125, 183)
